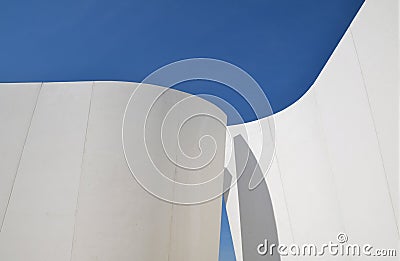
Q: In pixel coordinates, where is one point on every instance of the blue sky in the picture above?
(226, 250)
(282, 44)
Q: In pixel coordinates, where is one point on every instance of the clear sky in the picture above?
(282, 44)
(226, 250)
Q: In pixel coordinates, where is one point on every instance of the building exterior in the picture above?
(335, 168)
(67, 190)
(71, 189)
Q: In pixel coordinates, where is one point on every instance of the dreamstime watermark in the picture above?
(339, 248)
(166, 146)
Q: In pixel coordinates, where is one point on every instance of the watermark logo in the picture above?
(339, 248)
(174, 143)
(342, 238)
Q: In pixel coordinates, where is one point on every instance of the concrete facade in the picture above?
(335, 169)
(67, 192)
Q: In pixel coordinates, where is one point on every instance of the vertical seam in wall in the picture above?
(80, 176)
(20, 157)
(172, 204)
(285, 199)
(170, 227)
(325, 145)
(275, 156)
(376, 132)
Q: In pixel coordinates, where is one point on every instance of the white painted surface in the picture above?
(335, 169)
(194, 224)
(337, 147)
(40, 217)
(279, 201)
(115, 218)
(354, 151)
(17, 103)
(74, 197)
(306, 174)
(376, 39)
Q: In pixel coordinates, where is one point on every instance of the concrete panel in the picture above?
(376, 39)
(307, 175)
(278, 199)
(17, 103)
(40, 217)
(354, 151)
(117, 219)
(201, 148)
(74, 196)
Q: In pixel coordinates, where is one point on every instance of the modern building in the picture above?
(112, 170)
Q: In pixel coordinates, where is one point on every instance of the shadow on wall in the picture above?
(257, 218)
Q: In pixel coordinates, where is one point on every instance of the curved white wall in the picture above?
(336, 163)
(335, 168)
(67, 192)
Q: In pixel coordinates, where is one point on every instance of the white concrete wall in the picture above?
(66, 190)
(336, 163)
(335, 168)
